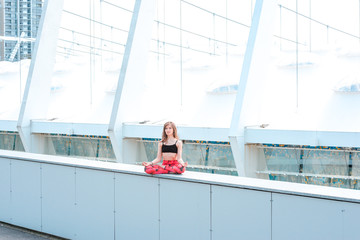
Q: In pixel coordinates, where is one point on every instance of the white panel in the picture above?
(350, 220)
(5, 213)
(94, 204)
(297, 137)
(303, 137)
(42, 126)
(26, 196)
(184, 210)
(58, 202)
(240, 214)
(137, 207)
(340, 139)
(311, 218)
(133, 130)
(8, 125)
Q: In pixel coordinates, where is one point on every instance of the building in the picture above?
(18, 20)
(265, 90)
(200, 67)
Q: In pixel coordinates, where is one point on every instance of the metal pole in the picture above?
(226, 33)
(19, 41)
(310, 25)
(164, 45)
(181, 60)
(280, 28)
(101, 36)
(297, 58)
(91, 47)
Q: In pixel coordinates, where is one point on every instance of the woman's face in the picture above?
(169, 130)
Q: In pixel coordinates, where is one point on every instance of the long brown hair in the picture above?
(164, 136)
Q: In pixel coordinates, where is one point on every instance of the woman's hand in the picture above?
(184, 164)
(147, 163)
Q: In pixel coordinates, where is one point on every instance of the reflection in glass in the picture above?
(327, 166)
(10, 141)
(89, 147)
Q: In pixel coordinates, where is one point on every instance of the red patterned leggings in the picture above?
(172, 166)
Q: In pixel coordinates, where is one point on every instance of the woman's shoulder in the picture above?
(178, 142)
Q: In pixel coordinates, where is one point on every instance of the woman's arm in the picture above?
(158, 157)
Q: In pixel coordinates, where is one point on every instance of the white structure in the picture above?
(102, 89)
(80, 199)
(105, 77)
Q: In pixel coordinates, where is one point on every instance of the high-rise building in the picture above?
(19, 22)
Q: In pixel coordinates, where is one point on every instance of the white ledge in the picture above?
(303, 137)
(252, 135)
(130, 130)
(8, 125)
(135, 130)
(48, 127)
(314, 191)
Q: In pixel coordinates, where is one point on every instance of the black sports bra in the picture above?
(169, 148)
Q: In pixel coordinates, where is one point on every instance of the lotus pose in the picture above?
(170, 150)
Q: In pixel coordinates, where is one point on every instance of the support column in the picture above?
(248, 99)
(132, 73)
(37, 90)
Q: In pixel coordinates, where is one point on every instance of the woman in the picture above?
(170, 150)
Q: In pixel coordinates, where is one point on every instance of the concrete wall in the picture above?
(80, 199)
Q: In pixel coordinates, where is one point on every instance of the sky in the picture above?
(83, 86)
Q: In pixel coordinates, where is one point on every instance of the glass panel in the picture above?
(354, 169)
(221, 155)
(93, 148)
(151, 147)
(328, 166)
(10, 141)
(326, 163)
(196, 154)
(105, 150)
(282, 160)
(84, 147)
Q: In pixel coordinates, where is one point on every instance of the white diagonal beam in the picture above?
(246, 108)
(132, 73)
(37, 90)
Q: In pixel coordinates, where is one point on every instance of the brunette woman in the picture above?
(170, 151)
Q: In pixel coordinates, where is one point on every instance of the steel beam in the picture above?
(37, 90)
(248, 100)
(132, 73)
